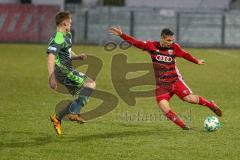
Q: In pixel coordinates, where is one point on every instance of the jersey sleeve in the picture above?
(137, 43)
(184, 54)
(54, 48)
(56, 44)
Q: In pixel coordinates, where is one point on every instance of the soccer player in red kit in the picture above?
(168, 79)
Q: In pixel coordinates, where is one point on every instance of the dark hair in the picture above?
(61, 16)
(166, 32)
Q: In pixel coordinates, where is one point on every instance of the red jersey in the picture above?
(164, 59)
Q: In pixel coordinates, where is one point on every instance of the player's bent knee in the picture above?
(187, 98)
(190, 99)
(164, 105)
(163, 102)
(91, 85)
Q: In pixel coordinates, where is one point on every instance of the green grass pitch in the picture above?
(27, 102)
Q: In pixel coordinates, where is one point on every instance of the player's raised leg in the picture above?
(184, 92)
(72, 110)
(81, 101)
(196, 99)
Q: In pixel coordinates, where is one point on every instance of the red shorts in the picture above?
(166, 91)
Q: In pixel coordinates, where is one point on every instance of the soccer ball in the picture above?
(211, 124)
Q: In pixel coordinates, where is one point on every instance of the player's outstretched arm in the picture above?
(51, 63)
(137, 43)
(116, 30)
(201, 62)
(190, 58)
(182, 53)
(74, 56)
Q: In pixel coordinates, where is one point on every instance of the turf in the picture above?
(128, 132)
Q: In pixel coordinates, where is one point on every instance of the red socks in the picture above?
(204, 102)
(173, 117)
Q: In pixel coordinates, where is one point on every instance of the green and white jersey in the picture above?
(60, 45)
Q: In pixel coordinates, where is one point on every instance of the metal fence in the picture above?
(208, 29)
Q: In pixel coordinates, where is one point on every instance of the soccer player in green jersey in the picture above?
(60, 70)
